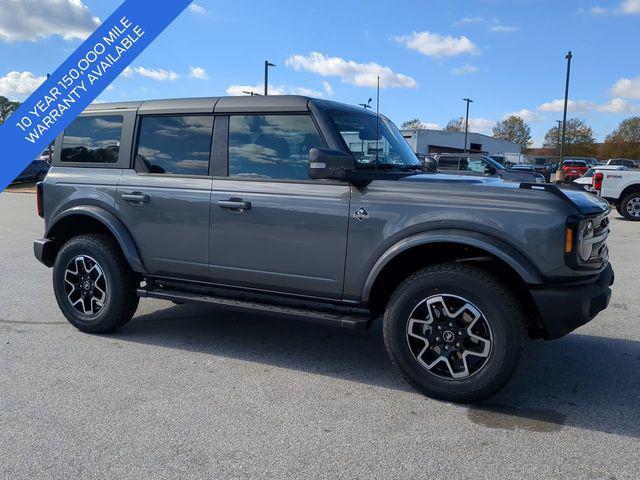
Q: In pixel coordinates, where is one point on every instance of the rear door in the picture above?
(272, 228)
(164, 199)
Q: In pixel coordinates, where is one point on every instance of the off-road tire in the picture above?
(493, 299)
(121, 298)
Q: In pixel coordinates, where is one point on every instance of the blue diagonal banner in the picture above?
(80, 79)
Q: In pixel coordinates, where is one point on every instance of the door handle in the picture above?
(235, 204)
(135, 197)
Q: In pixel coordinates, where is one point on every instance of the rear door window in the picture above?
(93, 139)
(178, 145)
(271, 146)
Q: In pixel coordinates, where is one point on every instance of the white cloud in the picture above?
(358, 74)
(619, 105)
(153, 73)
(525, 114)
(465, 70)
(30, 20)
(572, 106)
(627, 88)
(469, 20)
(273, 90)
(436, 45)
(630, 6)
(625, 7)
(481, 125)
(197, 9)
(498, 27)
(327, 87)
(198, 73)
(19, 85)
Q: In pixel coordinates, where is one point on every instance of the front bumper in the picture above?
(43, 250)
(564, 308)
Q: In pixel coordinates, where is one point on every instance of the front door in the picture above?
(164, 201)
(272, 228)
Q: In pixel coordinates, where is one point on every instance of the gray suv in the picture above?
(320, 211)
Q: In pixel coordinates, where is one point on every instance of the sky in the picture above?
(506, 55)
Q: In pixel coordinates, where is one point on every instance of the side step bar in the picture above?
(349, 320)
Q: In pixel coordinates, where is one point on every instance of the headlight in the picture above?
(585, 241)
(539, 179)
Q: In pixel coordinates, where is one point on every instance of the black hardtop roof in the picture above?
(233, 104)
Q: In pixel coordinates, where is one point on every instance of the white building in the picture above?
(425, 141)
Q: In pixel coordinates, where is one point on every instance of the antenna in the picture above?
(377, 121)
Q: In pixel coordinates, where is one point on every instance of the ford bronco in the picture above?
(317, 210)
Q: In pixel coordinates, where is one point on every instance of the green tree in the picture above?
(7, 107)
(411, 124)
(624, 141)
(455, 125)
(515, 130)
(579, 139)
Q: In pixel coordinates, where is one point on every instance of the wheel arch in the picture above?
(633, 188)
(418, 251)
(91, 219)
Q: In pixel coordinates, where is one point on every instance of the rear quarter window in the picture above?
(92, 139)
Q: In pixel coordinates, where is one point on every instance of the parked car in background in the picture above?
(539, 165)
(620, 188)
(586, 181)
(589, 161)
(36, 171)
(574, 168)
(482, 165)
(623, 161)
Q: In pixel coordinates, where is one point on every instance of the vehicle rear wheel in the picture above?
(630, 207)
(94, 285)
(455, 331)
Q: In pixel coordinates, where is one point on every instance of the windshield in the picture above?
(386, 149)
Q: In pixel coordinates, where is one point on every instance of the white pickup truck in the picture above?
(621, 189)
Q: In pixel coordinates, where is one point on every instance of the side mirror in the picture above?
(329, 164)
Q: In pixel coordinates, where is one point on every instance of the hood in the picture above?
(584, 202)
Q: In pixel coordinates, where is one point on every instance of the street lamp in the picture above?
(267, 64)
(366, 105)
(247, 92)
(559, 122)
(568, 57)
(466, 123)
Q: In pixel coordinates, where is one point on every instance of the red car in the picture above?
(574, 169)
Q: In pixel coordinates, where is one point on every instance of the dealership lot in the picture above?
(192, 391)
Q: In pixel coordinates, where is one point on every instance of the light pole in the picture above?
(267, 64)
(466, 123)
(559, 122)
(566, 101)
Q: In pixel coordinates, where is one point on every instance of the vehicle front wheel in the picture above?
(94, 286)
(630, 207)
(455, 331)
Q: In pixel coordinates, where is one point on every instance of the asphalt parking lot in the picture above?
(199, 392)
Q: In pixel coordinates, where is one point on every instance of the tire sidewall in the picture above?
(72, 249)
(625, 204)
(507, 336)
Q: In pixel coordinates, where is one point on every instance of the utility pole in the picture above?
(566, 101)
(267, 64)
(466, 123)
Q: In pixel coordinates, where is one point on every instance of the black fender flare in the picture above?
(115, 226)
(516, 260)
